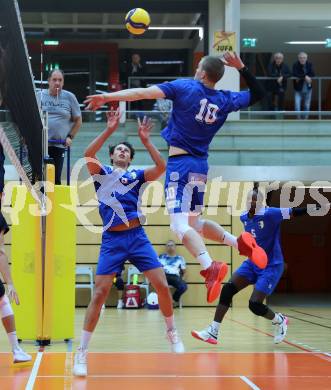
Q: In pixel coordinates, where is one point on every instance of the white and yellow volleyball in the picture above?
(137, 21)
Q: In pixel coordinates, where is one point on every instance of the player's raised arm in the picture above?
(312, 210)
(129, 95)
(256, 89)
(93, 164)
(144, 131)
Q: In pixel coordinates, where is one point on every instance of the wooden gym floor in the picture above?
(129, 349)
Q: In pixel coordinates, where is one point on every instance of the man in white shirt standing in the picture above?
(174, 268)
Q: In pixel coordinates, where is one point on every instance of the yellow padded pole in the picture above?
(27, 264)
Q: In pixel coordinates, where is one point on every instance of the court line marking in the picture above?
(202, 352)
(311, 315)
(251, 384)
(309, 322)
(319, 355)
(183, 376)
(68, 366)
(34, 372)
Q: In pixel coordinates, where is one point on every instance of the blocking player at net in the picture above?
(264, 223)
(199, 111)
(118, 190)
(6, 311)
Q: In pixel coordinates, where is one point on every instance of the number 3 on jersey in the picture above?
(207, 113)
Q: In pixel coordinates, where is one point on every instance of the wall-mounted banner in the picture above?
(224, 41)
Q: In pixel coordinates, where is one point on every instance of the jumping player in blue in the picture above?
(199, 111)
(118, 190)
(264, 224)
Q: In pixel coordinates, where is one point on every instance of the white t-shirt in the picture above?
(172, 264)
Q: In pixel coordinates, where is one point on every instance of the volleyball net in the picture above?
(42, 245)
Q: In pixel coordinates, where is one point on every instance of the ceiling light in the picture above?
(306, 42)
(176, 28)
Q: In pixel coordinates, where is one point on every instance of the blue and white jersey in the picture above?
(198, 113)
(118, 195)
(172, 264)
(265, 228)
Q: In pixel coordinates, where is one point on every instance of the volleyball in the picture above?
(137, 21)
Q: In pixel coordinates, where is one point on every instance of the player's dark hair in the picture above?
(256, 186)
(112, 148)
(50, 74)
(213, 67)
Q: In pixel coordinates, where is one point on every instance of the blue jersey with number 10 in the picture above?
(198, 113)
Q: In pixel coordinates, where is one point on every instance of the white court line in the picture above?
(181, 376)
(249, 382)
(34, 372)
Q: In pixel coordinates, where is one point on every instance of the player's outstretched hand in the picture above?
(94, 102)
(12, 294)
(233, 60)
(144, 129)
(113, 118)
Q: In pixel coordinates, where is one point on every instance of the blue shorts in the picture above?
(185, 183)
(265, 280)
(132, 245)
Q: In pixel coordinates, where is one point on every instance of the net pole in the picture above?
(41, 74)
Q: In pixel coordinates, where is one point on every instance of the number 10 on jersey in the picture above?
(207, 113)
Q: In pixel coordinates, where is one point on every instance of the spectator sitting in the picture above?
(303, 72)
(277, 88)
(119, 284)
(174, 268)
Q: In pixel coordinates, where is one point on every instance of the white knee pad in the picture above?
(197, 224)
(179, 224)
(5, 307)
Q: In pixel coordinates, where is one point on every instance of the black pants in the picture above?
(57, 154)
(276, 101)
(179, 284)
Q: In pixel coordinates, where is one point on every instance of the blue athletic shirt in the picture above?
(198, 113)
(265, 227)
(118, 195)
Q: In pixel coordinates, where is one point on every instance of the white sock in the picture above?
(215, 326)
(205, 260)
(278, 319)
(85, 339)
(12, 337)
(170, 322)
(230, 240)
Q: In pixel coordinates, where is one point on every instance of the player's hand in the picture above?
(280, 80)
(144, 129)
(12, 294)
(232, 60)
(68, 142)
(113, 118)
(94, 102)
